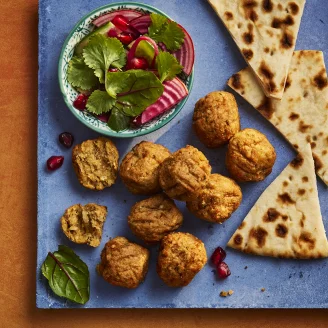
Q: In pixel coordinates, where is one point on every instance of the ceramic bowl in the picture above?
(82, 28)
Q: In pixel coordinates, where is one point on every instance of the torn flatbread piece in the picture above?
(302, 114)
(265, 32)
(286, 221)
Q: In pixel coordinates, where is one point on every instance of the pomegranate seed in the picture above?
(80, 102)
(66, 139)
(55, 162)
(121, 22)
(126, 38)
(223, 270)
(218, 256)
(113, 70)
(112, 33)
(138, 63)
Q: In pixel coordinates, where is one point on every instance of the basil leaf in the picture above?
(67, 274)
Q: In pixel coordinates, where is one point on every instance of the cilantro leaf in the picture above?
(116, 82)
(127, 95)
(100, 102)
(118, 121)
(139, 90)
(102, 52)
(168, 66)
(79, 75)
(158, 22)
(169, 32)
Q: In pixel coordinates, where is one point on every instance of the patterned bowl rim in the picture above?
(174, 111)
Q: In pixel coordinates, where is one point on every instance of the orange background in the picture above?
(18, 125)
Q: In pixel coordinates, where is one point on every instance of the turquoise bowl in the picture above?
(82, 28)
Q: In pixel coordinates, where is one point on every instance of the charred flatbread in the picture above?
(286, 220)
(302, 114)
(265, 32)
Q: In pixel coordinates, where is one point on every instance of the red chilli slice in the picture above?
(174, 92)
(127, 13)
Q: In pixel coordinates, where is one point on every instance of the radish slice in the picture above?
(174, 92)
(186, 55)
(127, 13)
(132, 51)
(141, 24)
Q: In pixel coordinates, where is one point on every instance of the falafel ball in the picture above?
(139, 169)
(217, 200)
(153, 218)
(216, 118)
(181, 257)
(184, 172)
(123, 263)
(250, 156)
(84, 224)
(95, 163)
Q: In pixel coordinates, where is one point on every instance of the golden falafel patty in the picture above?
(84, 224)
(250, 156)
(217, 200)
(123, 263)
(184, 172)
(181, 257)
(96, 163)
(139, 169)
(155, 217)
(216, 118)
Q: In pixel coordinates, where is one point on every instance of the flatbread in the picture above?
(302, 114)
(286, 220)
(265, 32)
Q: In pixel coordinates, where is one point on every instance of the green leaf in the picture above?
(100, 102)
(168, 66)
(139, 89)
(158, 22)
(167, 32)
(67, 274)
(103, 52)
(79, 75)
(118, 121)
(117, 81)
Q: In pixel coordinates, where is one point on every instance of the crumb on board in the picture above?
(223, 293)
(262, 290)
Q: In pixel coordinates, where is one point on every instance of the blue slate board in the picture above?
(287, 283)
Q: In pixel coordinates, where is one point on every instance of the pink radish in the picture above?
(127, 13)
(174, 92)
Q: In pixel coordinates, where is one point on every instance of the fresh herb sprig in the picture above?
(166, 31)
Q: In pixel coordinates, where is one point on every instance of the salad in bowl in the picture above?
(126, 70)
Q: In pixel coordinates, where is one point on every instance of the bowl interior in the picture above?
(82, 28)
